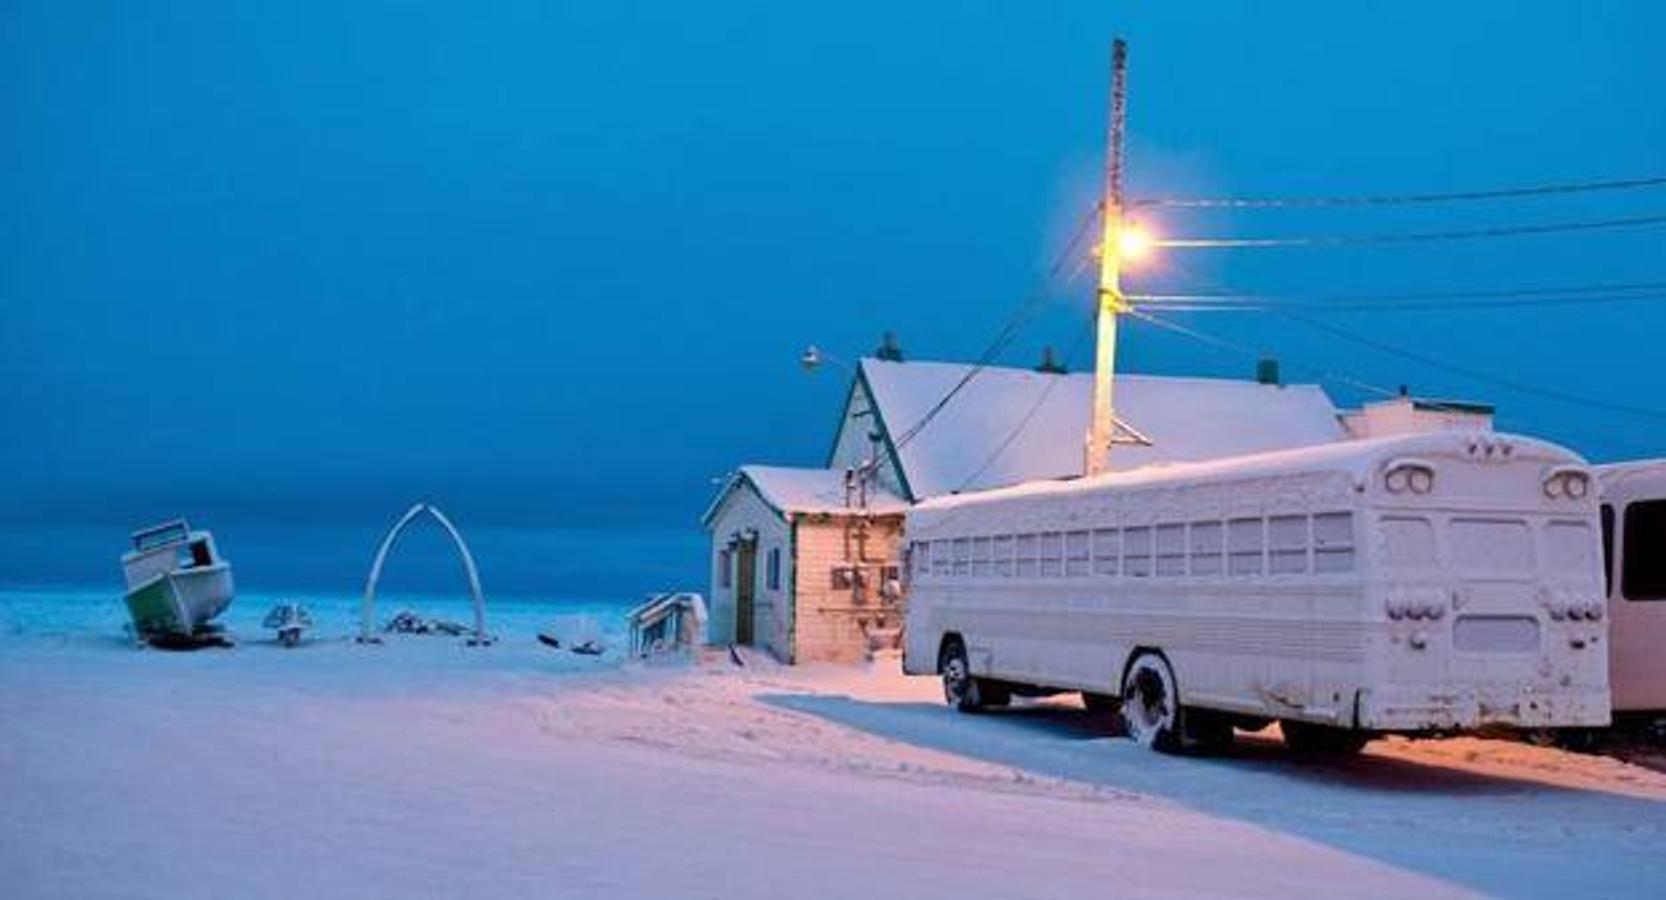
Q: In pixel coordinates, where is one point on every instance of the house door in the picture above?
(746, 585)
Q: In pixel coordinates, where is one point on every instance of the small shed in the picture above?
(804, 563)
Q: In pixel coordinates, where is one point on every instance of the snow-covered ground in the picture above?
(426, 768)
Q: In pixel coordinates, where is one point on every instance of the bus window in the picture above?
(1642, 565)
(1206, 548)
(1287, 538)
(1136, 552)
(1333, 542)
(1107, 549)
(1171, 550)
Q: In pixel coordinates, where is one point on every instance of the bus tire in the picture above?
(1151, 711)
(1308, 739)
(961, 689)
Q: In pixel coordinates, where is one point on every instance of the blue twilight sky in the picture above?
(552, 263)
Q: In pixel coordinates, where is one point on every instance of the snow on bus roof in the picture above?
(1014, 425)
(1354, 457)
(794, 490)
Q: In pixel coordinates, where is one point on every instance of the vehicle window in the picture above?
(1643, 565)
(1025, 563)
(980, 557)
(1052, 554)
(1207, 539)
(1608, 549)
(942, 561)
(1287, 540)
(1136, 552)
(962, 556)
(1171, 550)
(1107, 547)
(1333, 542)
(1076, 553)
(1246, 545)
(1003, 555)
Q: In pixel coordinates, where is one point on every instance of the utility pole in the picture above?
(1103, 430)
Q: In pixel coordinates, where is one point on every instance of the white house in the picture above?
(802, 563)
(801, 557)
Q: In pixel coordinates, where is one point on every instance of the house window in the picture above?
(1136, 552)
(1052, 554)
(1107, 548)
(1206, 543)
(1333, 542)
(774, 568)
(1246, 541)
(1077, 560)
(1171, 550)
(725, 571)
(1003, 555)
(1025, 556)
(1287, 540)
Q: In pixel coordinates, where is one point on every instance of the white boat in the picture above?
(176, 581)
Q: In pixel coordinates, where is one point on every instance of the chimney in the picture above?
(1050, 364)
(1266, 371)
(889, 350)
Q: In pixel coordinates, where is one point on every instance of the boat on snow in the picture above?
(177, 582)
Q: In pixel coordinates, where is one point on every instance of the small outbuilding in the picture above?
(804, 563)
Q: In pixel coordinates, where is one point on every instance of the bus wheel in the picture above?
(1308, 739)
(1151, 705)
(960, 689)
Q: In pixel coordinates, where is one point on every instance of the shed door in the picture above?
(746, 586)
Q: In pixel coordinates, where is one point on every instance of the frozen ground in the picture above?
(424, 768)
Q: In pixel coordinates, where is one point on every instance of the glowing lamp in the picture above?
(1133, 243)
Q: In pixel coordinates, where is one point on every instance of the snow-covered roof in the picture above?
(805, 491)
(1013, 425)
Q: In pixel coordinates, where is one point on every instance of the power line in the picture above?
(1173, 304)
(1024, 422)
(1027, 311)
(1371, 300)
(1478, 375)
(1414, 237)
(1399, 199)
(1255, 353)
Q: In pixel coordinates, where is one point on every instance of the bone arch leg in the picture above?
(367, 625)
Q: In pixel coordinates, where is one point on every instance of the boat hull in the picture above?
(180, 602)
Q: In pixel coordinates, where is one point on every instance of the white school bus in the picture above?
(1423, 583)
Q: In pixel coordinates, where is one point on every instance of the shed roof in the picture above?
(1013, 425)
(795, 491)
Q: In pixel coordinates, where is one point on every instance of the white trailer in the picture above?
(1634, 545)
(1410, 584)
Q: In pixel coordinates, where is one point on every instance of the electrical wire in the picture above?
(1024, 421)
(1411, 238)
(1321, 306)
(1026, 312)
(1478, 375)
(1399, 199)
